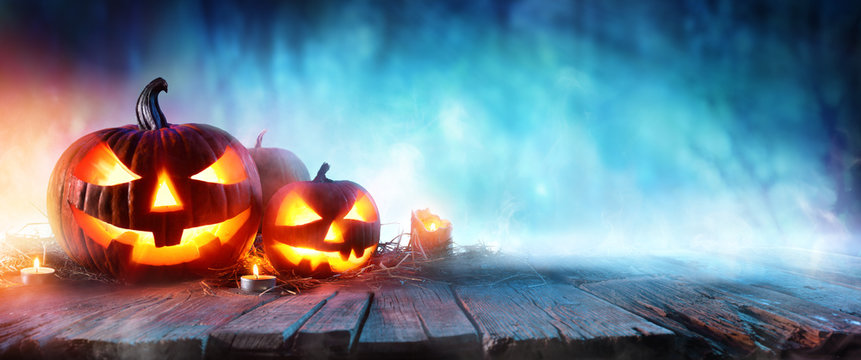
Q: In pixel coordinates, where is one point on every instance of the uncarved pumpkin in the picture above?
(276, 167)
(155, 200)
(320, 227)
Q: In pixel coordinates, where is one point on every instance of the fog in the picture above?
(559, 127)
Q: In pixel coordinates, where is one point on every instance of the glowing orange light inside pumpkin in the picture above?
(227, 170)
(256, 272)
(145, 252)
(333, 235)
(102, 167)
(165, 195)
(294, 211)
(336, 262)
(362, 210)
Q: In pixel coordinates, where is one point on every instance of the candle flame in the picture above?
(256, 272)
(36, 264)
(429, 221)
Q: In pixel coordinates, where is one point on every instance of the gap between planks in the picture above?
(557, 320)
(84, 320)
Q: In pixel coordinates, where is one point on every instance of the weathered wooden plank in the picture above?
(741, 278)
(422, 319)
(737, 303)
(839, 269)
(442, 318)
(727, 313)
(837, 331)
(76, 319)
(711, 268)
(170, 324)
(723, 270)
(558, 320)
(332, 330)
(586, 269)
(32, 316)
(267, 328)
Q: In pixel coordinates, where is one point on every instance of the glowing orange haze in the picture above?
(44, 107)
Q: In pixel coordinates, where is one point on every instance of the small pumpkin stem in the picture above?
(148, 112)
(260, 138)
(321, 174)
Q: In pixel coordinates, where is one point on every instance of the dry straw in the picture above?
(393, 260)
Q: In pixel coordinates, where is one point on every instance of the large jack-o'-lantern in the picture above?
(320, 227)
(155, 200)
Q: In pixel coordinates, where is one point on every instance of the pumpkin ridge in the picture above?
(140, 161)
(207, 136)
(122, 144)
(59, 188)
(203, 142)
(198, 141)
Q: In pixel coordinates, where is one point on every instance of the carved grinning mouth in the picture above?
(143, 242)
(336, 261)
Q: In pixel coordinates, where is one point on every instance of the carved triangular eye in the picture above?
(227, 170)
(363, 210)
(295, 211)
(102, 167)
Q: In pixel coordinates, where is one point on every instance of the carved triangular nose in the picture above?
(333, 235)
(165, 198)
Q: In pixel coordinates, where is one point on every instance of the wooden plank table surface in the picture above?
(683, 305)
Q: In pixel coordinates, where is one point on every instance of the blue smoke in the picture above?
(547, 126)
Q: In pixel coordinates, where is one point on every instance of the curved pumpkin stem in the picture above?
(148, 112)
(321, 174)
(260, 138)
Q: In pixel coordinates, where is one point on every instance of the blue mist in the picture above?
(547, 126)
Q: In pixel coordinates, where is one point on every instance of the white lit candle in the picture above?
(256, 282)
(37, 274)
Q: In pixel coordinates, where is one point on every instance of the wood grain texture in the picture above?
(268, 328)
(684, 306)
(841, 269)
(723, 272)
(423, 319)
(170, 325)
(169, 321)
(332, 330)
(553, 320)
(32, 316)
(740, 319)
(709, 269)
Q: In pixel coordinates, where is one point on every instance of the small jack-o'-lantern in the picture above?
(155, 200)
(320, 227)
